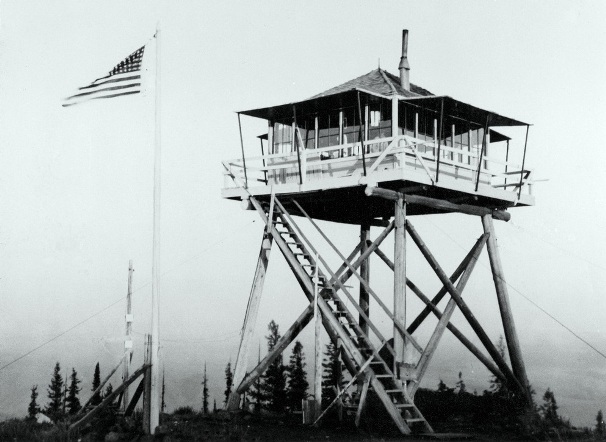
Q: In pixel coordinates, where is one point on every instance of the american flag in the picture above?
(124, 79)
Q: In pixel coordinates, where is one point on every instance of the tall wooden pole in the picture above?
(154, 419)
(128, 342)
(515, 353)
(147, 387)
(399, 291)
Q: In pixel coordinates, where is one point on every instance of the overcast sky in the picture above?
(76, 183)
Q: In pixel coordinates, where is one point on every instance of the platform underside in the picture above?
(351, 205)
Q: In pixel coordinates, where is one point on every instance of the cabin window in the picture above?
(282, 137)
(307, 129)
(328, 129)
(379, 120)
(351, 125)
(406, 119)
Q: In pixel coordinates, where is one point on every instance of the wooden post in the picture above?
(250, 318)
(399, 294)
(128, 342)
(147, 389)
(317, 348)
(515, 353)
(154, 414)
(364, 300)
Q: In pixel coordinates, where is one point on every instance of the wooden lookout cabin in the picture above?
(372, 152)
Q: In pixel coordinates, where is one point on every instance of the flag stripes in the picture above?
(123, 79)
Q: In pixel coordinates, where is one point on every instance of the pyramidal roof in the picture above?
(380, 82)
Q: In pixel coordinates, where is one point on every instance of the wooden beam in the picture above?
(431, 308)
(498, 276)
(301, 277)
(100, 387)
(471, 319)
(443, 291)
(434, 340)
(438, 204)
(362, 402)
(109, 399)
(399, 281)
(282, 343)
(130, 407)
(364, 255)
(397, 323)
(364, 298)
(250, 318)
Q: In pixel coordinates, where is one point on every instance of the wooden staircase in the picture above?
(362, 355)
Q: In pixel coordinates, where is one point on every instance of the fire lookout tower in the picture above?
(375, 151)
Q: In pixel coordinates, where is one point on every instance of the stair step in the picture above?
(406, 406)
(414, 420)
(383, 376)
(394, 391)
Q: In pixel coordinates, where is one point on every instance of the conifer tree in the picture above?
(205, 392)
(162, 403)
(256, 390)
(72, 401)
(297, 378)
(461, 384)
(497, 386)
(229, 380)
(55, 395)
(600, 426)
(549, 409)
(108, 390)
(214, 405)
(273, 384)
(332, 375)
(33, 408)
(96, 400)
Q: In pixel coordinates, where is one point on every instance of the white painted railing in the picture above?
(402, 152)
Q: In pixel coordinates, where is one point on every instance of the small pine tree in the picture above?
(229, 380)
(497, 386)
(256, 390)
(205, 392)
(332, 374)
(163, 404)
(55, 395)
(600, 426)
(214, 405)
(297, 378)
(72, 401)
(549, 409)
(96, 400)
(33, 409)
(461, 384)
(108, 390)
(273, 383)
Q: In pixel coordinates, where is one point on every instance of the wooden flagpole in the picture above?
(154, 419)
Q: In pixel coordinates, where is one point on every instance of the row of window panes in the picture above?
(379, 126)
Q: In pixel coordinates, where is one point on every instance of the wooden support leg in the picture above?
(250, 319)
(365, 274)
(515, 353)
(362, 403)
(399, 291)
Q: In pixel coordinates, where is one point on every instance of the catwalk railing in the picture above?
(403, 153)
